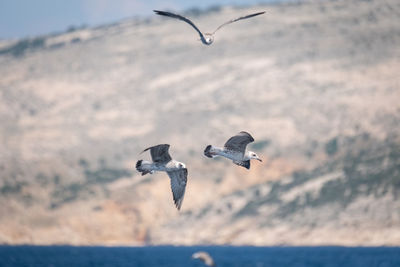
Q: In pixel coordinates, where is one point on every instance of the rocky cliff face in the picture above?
(316, 84)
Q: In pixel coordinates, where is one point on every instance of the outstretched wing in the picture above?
(239, 142)
(244, 17)
(176, 16)
(245, 164)
(178, 185)
(159, 153)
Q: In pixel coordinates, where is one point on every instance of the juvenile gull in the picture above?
(234, 149)
(204, 257)
(206, 38)
(162, 161)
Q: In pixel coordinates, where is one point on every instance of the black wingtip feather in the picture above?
(159, 12)
(149, 148)
(256, 14)
(247, 164)
(251, 137)
(178, 203)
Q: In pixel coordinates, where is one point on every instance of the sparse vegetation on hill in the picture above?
(315, 83)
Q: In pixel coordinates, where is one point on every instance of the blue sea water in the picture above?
(181, 256)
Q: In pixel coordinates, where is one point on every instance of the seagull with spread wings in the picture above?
(234, 149)
(206, 38)
(162, 161)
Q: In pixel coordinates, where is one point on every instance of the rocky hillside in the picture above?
(316, 83)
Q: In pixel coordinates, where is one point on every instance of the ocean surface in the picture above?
(181, 256)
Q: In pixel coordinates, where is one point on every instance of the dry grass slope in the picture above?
(316, 83)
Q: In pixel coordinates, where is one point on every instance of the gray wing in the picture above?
(245, 164)
(240, 18)
(178, 185)
(239, 142)
(176, 16)
(159, 153)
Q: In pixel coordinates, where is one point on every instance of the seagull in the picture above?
(206, 38)
(204, 257)
(234, 149)
(162, 161)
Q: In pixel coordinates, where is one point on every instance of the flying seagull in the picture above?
(234, 149)
(162, 161)
(206, 38)
(204, 257)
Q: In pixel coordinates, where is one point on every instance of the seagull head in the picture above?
(253, 155)
(181, 165)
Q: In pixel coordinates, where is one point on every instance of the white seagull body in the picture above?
(206, 38)
(204, 257)
(235, 150)
(176, 170)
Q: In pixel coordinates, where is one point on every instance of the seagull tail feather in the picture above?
(140, 168)
(207, 151)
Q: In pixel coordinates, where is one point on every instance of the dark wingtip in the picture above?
(259, 13)
(149, 148)
(159, 12)
(244, 132)
(178, 204)
(246, 164)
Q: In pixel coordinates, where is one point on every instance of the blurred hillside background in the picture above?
(316, 83)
